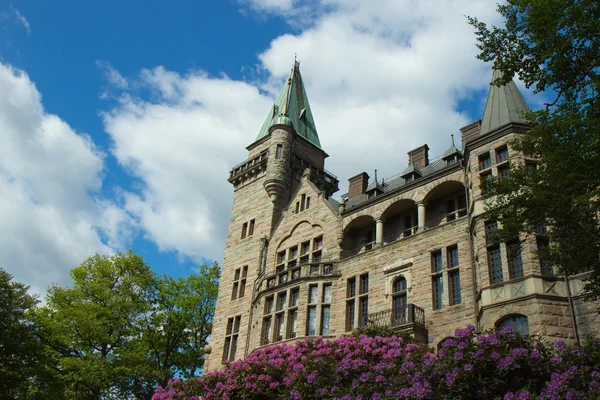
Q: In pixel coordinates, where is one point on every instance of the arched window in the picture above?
(518, 323)
(399, 301)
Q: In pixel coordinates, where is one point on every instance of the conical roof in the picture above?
(504, 105)
(452, 150)
(292, 103)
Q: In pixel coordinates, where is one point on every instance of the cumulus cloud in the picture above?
(381, 81)
(49, 175)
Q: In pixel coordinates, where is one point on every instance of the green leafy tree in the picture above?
(554, 47)
(26, 370)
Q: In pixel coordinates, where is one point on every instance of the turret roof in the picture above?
(504, 105)
(292, 103)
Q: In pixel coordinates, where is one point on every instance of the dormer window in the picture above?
(409, 178)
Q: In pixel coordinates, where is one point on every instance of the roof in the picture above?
(396, 182)
(292, 102)
(452, 150)
(504, 104)
(412, 169)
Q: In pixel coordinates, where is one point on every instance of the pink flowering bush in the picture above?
(498, 365)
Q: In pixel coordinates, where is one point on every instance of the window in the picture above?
(327, 293)
(486, 181)
(294, 297)
(545, 265)
(251, 228)
(307, 202)
(518, 323)
(265, 337)
(452, 257)
(231, 338)
(350, 303)
(317, 243)
(515, 263)
(281, 257)
(293, 253)
(454, 282)
(278, 151)
(313, 294)
(436, 261)
(502, 154)
(531, 165)
(399, 301)
(269, 305)
(311, 325)
(409, 179)
(305, 248)
(292, 323)
(325, 317)
(490, 228)
(280, 301)
(503, 173)
(438, 292)
(279, 327)
(363, 300)
(239, 283)
(244, 229)
(495, 264)
(485, 161)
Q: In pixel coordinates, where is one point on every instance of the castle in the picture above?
(409, 252)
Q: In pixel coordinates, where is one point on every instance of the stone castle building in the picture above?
(408, 252)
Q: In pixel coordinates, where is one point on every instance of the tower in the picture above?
(285, 147)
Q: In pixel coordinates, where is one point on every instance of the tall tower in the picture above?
(287, 144)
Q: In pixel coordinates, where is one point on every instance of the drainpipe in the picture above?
(261, 271)
(573, 318)
(472, 248)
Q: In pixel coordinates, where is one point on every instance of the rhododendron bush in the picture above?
(499, 364)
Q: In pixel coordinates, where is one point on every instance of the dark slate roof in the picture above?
(293, 103)
(397, 182)
(504, 105)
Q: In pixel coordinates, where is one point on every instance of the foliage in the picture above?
(121, 330)
(554, 47)
(21, 355)
(495, 365)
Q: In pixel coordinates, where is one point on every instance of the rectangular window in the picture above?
(325, 317)
(452, 257)
(545, 266)
(231, 338)
(515, 263)
(485, 161)
(279, 327)
(349, 315)
(294, 297)
(316, 257)
(278, 151)
(486, 181)
(234, 291)
(268, 305)
(495, 264)
(317, 243)
(503, 173)
(438, 292)
(281, 257)
(502, 154)
(311, 325)
(307, 202)
(351, 288)
(280, 301)
(251, 228)
(313, 294)
(454, 281)
(293, 254)
(327, 293)
(303, 202)
(531, 165)
(436, 261)
(292, 324)
(364, 283)
(490, 228)
(363, 310)
(305, 248)
(266, 331)
(244, 229)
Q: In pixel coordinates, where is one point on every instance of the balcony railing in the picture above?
(403, 234)
(454, 215)
(250, 166)
(398, 317)
(297, 272)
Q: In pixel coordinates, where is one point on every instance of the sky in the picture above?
(120, 120)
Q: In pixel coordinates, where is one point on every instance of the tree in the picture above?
(554, 47)
(26, 371)
(121, 330)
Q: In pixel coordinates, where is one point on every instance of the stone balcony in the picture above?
(297, 273)
(409, 319)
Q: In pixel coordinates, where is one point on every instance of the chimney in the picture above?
(419, 157)
(470, 132)
(357, 185)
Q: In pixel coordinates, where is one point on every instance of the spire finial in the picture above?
(452, 136)
(375, 175)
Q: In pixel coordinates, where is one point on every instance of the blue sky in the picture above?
(120, 120)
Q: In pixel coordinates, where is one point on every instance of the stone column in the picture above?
(379, 231)
(421, 216)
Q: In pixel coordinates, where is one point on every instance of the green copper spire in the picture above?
(504, 105)
(291, 108)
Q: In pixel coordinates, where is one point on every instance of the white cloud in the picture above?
(111, 74)
(21, 19)
(48, 176)
(382, 79)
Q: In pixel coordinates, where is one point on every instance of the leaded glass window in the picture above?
(515, 263)
(518, 323)
(495, 264)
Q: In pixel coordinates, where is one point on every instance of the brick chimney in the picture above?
(357, 185)
(419, 157)
(470, 132)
